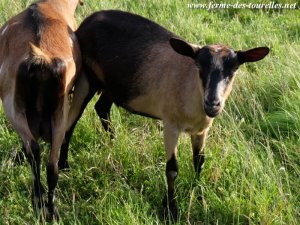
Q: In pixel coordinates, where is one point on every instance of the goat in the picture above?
(40, 58)
(146, 69)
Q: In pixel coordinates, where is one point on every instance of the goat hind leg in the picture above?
(102, 108)
(31, 150)
(34, 158)
(58, 124)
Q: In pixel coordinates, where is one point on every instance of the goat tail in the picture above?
(39, 69)
(40, 62)
(37, 56)
(40, 78)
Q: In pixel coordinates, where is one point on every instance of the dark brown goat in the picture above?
(39, 59)
(148, 70)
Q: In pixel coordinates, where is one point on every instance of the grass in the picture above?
(252, 169)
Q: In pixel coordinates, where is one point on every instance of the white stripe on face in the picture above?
(1, 68)
(215, 81)
(219, 90)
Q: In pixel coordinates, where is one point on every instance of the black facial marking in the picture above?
(228, 64)
(215, 79)
(204, 60)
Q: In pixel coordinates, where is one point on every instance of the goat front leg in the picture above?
(171, 135)
(64, 151)
(82, 95)
(198, 142)
(63, 157)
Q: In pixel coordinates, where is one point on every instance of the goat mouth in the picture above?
(212, 111)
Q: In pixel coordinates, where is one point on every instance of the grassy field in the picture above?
(252, 171)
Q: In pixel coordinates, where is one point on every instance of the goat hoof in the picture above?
(170, 209)
(51, 213)
(38, 199)
(63, 165)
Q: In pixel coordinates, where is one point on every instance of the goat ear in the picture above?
(252, 55)
(183, 48)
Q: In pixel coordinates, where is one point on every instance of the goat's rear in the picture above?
(39, 60)
(39, 89)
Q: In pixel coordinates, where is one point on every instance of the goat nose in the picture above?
(212, 102)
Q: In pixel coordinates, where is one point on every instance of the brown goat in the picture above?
(39, 59)
(148, 70)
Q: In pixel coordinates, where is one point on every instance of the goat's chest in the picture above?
(197, 125)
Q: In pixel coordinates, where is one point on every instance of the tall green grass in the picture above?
(252, 169)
